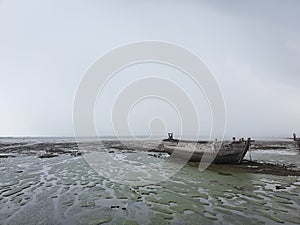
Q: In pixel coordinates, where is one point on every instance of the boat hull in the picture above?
(216, 152)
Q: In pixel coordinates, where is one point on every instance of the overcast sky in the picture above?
(252, 47)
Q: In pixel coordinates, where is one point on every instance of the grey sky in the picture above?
(253, 48)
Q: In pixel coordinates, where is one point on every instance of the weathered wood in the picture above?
(223, 152)
(247, 147)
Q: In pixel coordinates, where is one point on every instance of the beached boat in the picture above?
(227, 152)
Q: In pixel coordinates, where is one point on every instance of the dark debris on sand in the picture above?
(259, 167)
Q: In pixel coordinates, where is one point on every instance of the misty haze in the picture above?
(149, 112)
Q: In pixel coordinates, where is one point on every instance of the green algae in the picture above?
(130, 222)
(271, 217)
(120, 195)
(210, 215)
(161, 210)
(156, 218)
(107, 195)
(87, 204)
(106, 219)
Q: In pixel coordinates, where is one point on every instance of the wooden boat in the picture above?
(227, 152)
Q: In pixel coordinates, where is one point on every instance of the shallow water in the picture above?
(65, 190)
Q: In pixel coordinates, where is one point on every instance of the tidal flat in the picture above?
(66, 190)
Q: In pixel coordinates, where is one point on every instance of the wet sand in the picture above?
(65, 190)
(261, 167)
(52, 148)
